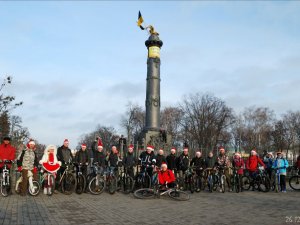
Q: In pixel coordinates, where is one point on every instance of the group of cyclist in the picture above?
(168, 168)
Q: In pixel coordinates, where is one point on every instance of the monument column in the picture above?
(152, 102)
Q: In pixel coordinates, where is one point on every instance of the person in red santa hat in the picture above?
(252, 165)
(239, 164)
(50, 163)
(166, 177)
(27, 164)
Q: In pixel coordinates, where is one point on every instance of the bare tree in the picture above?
(134, 121)
(204, 120)
(107, 134)
(254, 127)
(170, 122)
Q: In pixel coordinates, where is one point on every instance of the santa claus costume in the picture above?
(49, 159)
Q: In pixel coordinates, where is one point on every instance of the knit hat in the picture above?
(130, 146)
(66, 141)
(150, 147)
(83, 145)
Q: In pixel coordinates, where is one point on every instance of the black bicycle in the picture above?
(143, 179)
(294, 181)
(67, 180)
(235, 180)
(125, 182)
(110, 180)
(259, 181)
(81, 179)
(97, 184)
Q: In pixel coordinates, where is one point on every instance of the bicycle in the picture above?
(260, 181)
(294, 181)
(210, 178)
(143, 180)
(125, 182)
(158, 190)
(276, 180)
(97, 184)
(5, 179)
(81, 179)
(189, 180)
(235, 180)
(67, 180)
(33, 187)
(47, 180)
(199, 179)
(110, 180)
(220, 179)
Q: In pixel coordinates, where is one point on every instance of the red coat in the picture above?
(167, 176)
(252, 163)
(7, 152)
(239, 162)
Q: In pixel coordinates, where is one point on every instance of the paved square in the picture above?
(203, 208)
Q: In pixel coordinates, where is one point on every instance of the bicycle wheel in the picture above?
(191, 184)
(245, 183)
(80, 184)
(222, 183)
(294, 182)
(146, 181)
(112, 185)
(210, 183)
(51, 185)
(69, 183)
(35, 189)
(263, 183)
(127, 184)
(178, 195)
(5, 189)
(237, 183)
(144, 193)
(96, 185)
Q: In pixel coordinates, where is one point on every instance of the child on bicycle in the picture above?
(50, 163)
(281, 164)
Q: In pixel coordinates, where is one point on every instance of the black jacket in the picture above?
(182, 162)
(113, 160)
(60, 156)
(129, 161)
(82, 157)
(198, 162)
(99, 157)
(171, 161)
(210, 162)
(146, 159)
(160, 159)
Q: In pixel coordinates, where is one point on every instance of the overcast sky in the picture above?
(77, 64)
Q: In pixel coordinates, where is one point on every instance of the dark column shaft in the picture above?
(153, 84)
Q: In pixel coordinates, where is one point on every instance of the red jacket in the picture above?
(7, 152)
(239, 162)
(167, 176)
(252, 163)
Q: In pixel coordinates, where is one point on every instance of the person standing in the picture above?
(171, 160)
(7, 152)
(27, 162)
(129, 161)
(281, 164)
